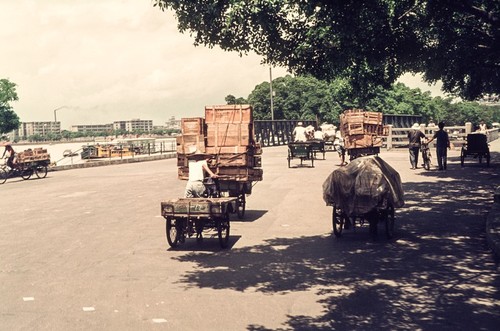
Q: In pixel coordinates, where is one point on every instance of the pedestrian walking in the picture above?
(442, 145)
(415, 137)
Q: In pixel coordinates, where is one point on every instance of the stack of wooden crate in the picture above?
(361, 128)
(30, 155)
(226, 134)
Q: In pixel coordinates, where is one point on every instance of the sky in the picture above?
(96, 62)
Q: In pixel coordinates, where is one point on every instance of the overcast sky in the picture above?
(104, 61)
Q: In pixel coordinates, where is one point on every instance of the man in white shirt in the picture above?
(299, 133)
(197, 167)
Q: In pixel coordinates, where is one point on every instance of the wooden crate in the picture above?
(227, 149)
(373, 118)
(232, 160)
(229, 134)
(362, 141)
(241, 173)
(229, 114)
(193, 126)
(190, 143)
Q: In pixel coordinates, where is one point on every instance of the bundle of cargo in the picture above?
(31, 155)
(226, 133)
(361, 128)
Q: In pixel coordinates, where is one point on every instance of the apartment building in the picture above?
(92, 128)
(134, 125)
(27, 129)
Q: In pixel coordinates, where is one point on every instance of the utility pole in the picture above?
(271, 91)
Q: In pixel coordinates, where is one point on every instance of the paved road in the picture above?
(85, 249)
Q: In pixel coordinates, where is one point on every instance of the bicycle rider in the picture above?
(11, 161)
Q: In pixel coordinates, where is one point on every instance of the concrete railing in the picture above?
(398, 137)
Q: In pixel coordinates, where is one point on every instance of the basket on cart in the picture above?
(367, 190)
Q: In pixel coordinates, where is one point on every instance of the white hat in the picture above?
(416, 126)
(300, 123)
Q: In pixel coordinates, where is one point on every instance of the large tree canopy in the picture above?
(8, 118)
(370, 42)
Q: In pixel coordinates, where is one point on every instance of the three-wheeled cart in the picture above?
(367, 191)
(302, 151)
(186, 217)
(477, 147)
(25, 169)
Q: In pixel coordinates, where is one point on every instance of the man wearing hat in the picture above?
(415, 136)
(299, 133)
(198, 165)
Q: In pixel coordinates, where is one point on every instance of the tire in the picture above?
(462, 157)
(3, 176)
(172, 232)
(389, 221)
(488, 159)
(480, 159)
(427, 164)
(337, 221)
(223, 230)
(26, 173)
(240, 206)
(41, 171)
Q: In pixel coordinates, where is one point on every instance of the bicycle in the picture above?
(426, 155)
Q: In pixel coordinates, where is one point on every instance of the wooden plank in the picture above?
(193, 126)
(229, 134)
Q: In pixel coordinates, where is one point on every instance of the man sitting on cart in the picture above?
(299, 133)
(198, 166)
(11, 161)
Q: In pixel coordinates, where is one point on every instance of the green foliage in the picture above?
(371, 43)
(232, 100)
(8, 118)
(308, 98)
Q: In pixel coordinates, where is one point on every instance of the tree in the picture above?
(371, 43)
(8, 118)
(232, 100)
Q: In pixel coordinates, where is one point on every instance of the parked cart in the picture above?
(302, 151)
(186, 217)
(367, 191)
(477, 147)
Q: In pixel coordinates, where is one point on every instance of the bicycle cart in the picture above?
(366, 191)
(302, 151)
(186, 217)
(235, 189)
(477, 147)
(25, 170)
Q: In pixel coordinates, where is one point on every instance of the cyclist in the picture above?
(11, 161)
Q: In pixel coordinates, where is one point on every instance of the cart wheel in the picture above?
(240, 206)
(337, 221)
(389, 221)
(3, 176)
(480, 157)
(223, 230)
(41, 171)
(26, 173)
(172, 232)
(488, 159)
(462, 157)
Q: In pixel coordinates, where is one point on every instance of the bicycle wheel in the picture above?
(26, 172)
(172, 232)
(223, 230)
(3, 175)
(41, 171)
(337, 221)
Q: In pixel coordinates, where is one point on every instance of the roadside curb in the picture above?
(107, 162)
(493, 224)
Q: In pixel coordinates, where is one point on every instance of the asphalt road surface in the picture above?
(85, 249)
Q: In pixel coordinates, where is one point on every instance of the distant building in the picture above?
(134, 125)
(173, 124)
(27, 129)
(93, 128)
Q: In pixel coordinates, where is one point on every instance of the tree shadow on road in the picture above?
(437, 273)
